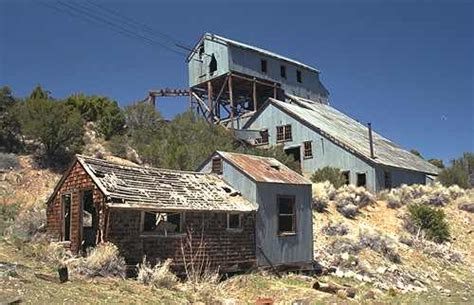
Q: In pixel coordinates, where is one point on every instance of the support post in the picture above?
(231, 100)
(371, 141)
(209, 100)
(274, 90)
(254, 94)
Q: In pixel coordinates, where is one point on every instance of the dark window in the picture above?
(88, 212)
(162, 223)
(299, 78)
(308, 149)
(201, 50)
(286, 214)
(217, 165)
(388, 179)
(284, 133)
(347, 175)
(234, 221)
(212, 64)
(263, 65)
(283, 71)
(361, 180)
(264, 137)
(66, 209)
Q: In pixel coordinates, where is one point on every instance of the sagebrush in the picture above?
(331, 174)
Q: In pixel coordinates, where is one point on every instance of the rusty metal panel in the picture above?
(264, 169)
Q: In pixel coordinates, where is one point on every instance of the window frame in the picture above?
(283, 71)
(144, 233)
(213, 167)
(299, 76)
(63, 220)
(263, 65)
(306, 149)
(239, 228)
(263, 140)
(293, 215)
(285, 131)
(365, 180)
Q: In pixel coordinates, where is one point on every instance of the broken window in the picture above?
(234, 221)
(346, 175)
(162, 223)
(201, 51)
(263, 65)
(88, 210)
(66, 215)
(284, 133)
(264, 137)
(213, 64)
(217, 165)
(299, 78)
(308, 149)
(361, 179)
(283, 71)
(388, 179)
(286, 214)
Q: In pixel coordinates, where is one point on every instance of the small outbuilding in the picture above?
(161, 213)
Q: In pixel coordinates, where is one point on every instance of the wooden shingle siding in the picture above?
(76, 181)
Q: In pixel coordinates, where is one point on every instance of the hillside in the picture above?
(425, 271)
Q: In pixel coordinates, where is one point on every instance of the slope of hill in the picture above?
(425, 271)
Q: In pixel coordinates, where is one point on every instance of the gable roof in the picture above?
(263, 169)
(351, 134)
(154, 188)
(241, 45)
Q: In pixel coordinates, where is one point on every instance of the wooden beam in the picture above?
(209, 99)
(231, 99)
(274, 91)
(254, 94)
(256, 80)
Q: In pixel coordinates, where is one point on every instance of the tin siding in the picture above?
(198, 72)
(296, 248)
(399, 177)
(325, 152)
(248, 62)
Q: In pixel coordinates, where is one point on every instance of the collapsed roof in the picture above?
(167, 190)
(351, 134)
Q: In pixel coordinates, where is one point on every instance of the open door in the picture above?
(295, 152)
(90, 220)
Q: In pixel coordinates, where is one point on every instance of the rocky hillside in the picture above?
(359, 241)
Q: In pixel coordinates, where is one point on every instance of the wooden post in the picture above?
(254, 87)
(209, 100)
(231, 100)
(274, 90)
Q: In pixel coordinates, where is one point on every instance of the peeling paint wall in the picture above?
(398, 176)
(198, 67)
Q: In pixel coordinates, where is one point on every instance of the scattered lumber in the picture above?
(335, 289)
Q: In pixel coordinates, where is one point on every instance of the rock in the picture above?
(345, 256)
(381, 270)
(349, 274)
(339, 273)
(229, 302)
(370, 295)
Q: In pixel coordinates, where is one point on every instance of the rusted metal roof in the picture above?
(264, 169)
(155, 188)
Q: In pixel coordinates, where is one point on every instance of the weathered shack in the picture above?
(153, 212)
(284, 228)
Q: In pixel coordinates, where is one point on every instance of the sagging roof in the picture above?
(263, 169)
(353, 135)
(259, 50)
(148, 187)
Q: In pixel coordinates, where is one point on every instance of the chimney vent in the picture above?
(371, 141)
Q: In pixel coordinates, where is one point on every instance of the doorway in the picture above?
(295, 152)
(90, 221)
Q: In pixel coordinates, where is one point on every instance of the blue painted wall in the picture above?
(284, 249)
(198, 66)
(325, 152)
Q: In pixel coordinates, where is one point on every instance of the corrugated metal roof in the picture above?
(148, 187)
(259, 50)
(264, 169)
(353, 135)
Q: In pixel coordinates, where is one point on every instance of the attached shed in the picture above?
(153, 212)
(319, 135)
(284, 228)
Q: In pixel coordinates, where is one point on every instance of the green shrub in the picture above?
(331, 174)
(10, 129)
(431, 221)
(459, 172)
(118, 146)
(8, 213)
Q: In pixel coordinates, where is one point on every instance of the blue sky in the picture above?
(407, 67)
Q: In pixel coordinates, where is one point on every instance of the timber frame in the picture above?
(229, 96)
